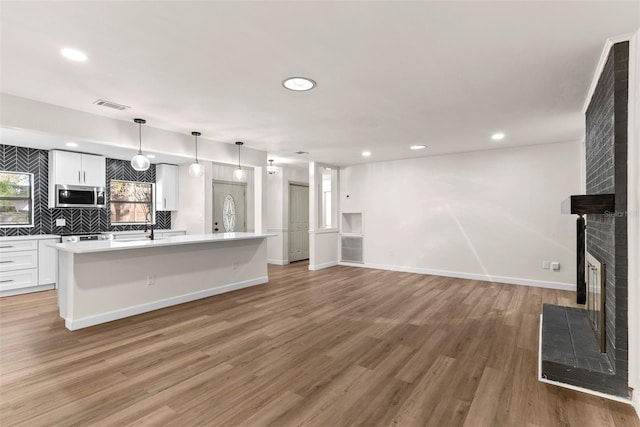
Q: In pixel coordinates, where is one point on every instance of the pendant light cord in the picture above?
(196, 148)
(239, 157)
(140, 138)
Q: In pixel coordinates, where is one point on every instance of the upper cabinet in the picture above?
(69, 168)
(166, 187)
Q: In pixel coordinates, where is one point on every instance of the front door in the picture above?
(229, 207)
(298, 222)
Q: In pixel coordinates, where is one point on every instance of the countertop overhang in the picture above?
(115, 245)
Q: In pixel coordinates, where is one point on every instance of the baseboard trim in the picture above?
(84, 322)
(570, 386)
(322, 266)
(470, 276)
(278, 261)
(28, 290)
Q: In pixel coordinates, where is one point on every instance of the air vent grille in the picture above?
(352, 249)
(109, 104)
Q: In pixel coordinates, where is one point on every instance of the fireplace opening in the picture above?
(594, 275)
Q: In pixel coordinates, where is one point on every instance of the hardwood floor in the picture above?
(341, 346)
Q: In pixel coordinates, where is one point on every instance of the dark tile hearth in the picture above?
(570, 352)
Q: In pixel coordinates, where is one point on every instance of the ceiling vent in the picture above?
(109, 104)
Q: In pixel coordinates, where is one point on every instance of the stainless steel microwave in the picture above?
(78, 196)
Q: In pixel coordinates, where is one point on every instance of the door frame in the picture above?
(213, 207)
(299, 184)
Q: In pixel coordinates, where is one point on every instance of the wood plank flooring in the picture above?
(337, 347)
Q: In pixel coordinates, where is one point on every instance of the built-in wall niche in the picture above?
(352, 223)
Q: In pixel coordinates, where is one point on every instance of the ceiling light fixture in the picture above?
(74, 55)
(271, 168)
(196, 169)
(299, 84)
(366, 153)
(417, 147)
(239, 174)
(140, 162)
(71, 144)
(497, 136)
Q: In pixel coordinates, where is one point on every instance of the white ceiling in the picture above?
(390, 74)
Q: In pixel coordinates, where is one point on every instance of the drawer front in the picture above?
(22, 245)
(10, 261)
(18, 279)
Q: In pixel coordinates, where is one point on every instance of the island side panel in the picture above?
(117, 284)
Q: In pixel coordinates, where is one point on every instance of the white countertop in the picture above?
(30, 237)
(115, 245)
(157, 230)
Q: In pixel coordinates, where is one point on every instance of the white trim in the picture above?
(324, 231)
(278, 261)
(277, 230)
(322, 266)
(569, 386)
(84, 322)
(30, 289)
(601, 63)
(471, 276)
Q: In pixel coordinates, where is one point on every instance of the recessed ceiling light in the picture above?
(366, 153)
(497, 136)
(71, 144)
(74, 55)
(151, 156)
(299, 83)
(418, 147)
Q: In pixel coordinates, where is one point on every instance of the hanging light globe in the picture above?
(196, 169)
(140, 162)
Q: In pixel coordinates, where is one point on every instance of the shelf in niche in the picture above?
(352, 223)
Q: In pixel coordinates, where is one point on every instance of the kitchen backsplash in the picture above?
(19, 159)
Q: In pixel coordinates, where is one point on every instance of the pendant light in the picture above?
(239, 174)
(271, 168)
(196, 169)
(140, 162)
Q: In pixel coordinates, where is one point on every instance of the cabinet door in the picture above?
(93, 171)
(67, 168)
(166, 187)
(47, 262)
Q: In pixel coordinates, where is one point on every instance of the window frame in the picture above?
(152, 202)
(30, 200)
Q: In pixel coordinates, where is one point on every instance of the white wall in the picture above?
(277, 199)
(492, 215)
(633, 218)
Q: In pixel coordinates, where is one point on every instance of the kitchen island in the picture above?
(101, 281)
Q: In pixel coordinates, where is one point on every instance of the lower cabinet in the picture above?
(28, 265)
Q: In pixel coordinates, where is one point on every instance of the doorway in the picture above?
(229, 206)
(298, 222)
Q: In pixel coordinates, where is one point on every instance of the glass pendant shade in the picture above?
(196, 169)
(140, 162)
(239, 174)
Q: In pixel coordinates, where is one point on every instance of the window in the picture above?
(16, 199)
(132, 202)
(327, 206)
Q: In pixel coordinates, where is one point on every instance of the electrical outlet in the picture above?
(60, 222)
(151, 280)
(555, 265)
(546, 265)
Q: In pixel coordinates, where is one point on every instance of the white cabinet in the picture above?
(27, 264)
(166, 187)
(70, 168)
(47, 262)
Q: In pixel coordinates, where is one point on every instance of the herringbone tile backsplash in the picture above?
(19, 159)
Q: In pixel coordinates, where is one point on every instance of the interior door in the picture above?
(298, 222)
(229, 207)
